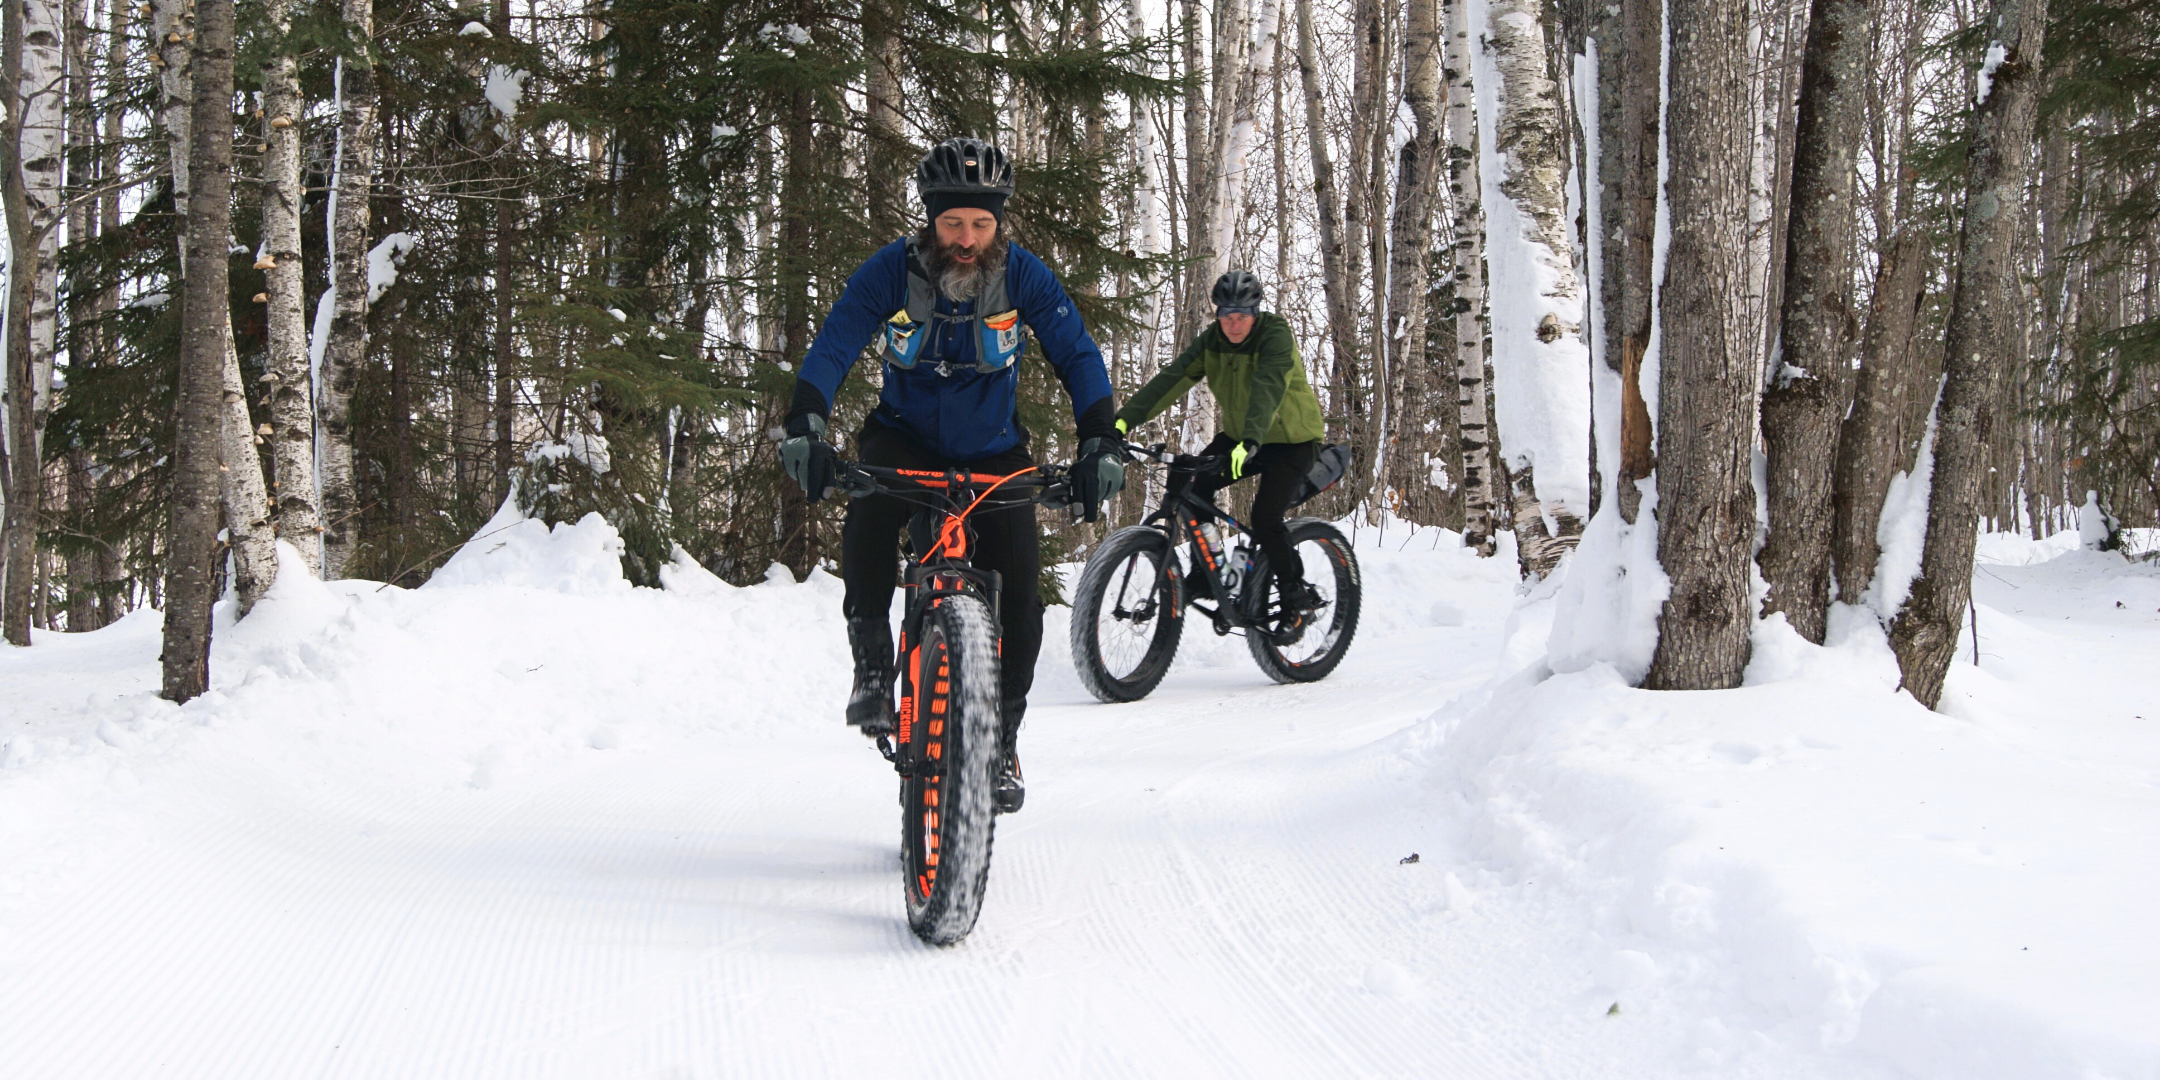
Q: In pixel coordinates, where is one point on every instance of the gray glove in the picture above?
(1099, 474)
(806, 458)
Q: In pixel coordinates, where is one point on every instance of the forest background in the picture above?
(1723, 294)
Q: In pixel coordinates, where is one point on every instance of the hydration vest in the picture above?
(999, 336)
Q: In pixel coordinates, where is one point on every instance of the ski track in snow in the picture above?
(393, 845)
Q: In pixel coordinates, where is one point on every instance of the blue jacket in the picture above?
(965, 414)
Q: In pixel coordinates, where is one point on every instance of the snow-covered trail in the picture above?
(529, 821)
(319, 877)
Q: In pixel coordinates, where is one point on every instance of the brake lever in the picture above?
(856, 482)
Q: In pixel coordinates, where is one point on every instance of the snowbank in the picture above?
(1812, 860)
(515, 658)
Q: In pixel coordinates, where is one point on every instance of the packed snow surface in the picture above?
(529, 820)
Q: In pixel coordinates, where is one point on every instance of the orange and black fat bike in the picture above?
(944, 734)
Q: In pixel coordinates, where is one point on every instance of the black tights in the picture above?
(1282, 468)
(1005, 541)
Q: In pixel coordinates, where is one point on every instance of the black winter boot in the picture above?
(870, 703)
(1008, 789)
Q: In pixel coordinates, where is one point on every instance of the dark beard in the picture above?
(956, 281)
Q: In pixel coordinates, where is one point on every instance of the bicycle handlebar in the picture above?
(1161, 454)
(1046, 484)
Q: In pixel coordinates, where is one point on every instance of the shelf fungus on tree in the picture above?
(281, 121)
(267, 262)
(262, 298)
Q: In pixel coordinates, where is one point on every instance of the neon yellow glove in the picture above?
(1121, 427)
(1238, 454)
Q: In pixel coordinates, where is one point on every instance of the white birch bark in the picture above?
(292, 390)
(1464, 185)
(345, 347)
(1540, 362)
(1257, 67)
(43, 100)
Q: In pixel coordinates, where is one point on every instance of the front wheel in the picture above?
(1310, 652)
(950, 735)
(1125, 615)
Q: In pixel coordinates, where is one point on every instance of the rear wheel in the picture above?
(947, 819)
(1125, 615)
(1310, 652)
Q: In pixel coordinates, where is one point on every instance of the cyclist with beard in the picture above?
(949, 310)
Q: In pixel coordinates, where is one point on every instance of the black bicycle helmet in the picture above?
(964, 166)
(1238, 290)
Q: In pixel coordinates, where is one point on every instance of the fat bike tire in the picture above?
(1126, 616)
(1330, 566)
(947, 820)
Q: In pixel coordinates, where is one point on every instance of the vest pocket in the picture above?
(903, 340)
(1001, 337)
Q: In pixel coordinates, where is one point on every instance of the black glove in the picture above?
(1099, 474)
(806, 458)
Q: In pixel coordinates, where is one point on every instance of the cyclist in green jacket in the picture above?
(1271, 415)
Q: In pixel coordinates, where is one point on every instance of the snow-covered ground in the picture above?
(528, 820)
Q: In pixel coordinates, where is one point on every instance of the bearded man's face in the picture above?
(967, 245)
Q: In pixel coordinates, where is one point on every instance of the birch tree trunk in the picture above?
(34, 174)
(1806, 400)
(1977, 342)
(205, 344)
(44, 100)
(346, 347)
(1417, 188)
(1256, 68)
(1539, 359)
(18, 442)
(1468, 200)
(1335, 278)
(1707, 360)
(292, 392)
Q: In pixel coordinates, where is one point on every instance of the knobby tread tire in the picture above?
(957, 630)
(1106, 568)
(1341, 617)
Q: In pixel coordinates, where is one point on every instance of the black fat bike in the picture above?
(943, 737)
(1130, 605)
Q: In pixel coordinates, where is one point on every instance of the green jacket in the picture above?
(1259, 383)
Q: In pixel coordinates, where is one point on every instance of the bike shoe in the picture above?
(1008, 790)
(1300, 602)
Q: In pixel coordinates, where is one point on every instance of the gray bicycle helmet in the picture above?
(964, 172)
(1237, 292)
